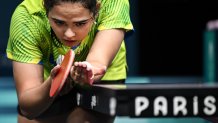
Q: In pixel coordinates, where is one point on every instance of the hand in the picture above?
(67, 87)
(54, 71)
(84, 72)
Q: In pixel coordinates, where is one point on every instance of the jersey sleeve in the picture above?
(114, 14)
(23, 42)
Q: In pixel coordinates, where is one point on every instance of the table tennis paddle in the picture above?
(59, 80)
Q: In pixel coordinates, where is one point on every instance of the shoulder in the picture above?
(33, 6)
(30, 15)
(114, 14)
(113, 3)
(29, 10)
(113, 7)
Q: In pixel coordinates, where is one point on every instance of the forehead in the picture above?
(69, 9)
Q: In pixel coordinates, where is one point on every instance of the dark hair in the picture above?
(88, 4)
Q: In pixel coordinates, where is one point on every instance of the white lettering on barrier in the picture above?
(160, 105)
(195, 105)
(78, 97)
(179, 105)
(93, 101)
(112, 105)
(210, 108)
(141, 103)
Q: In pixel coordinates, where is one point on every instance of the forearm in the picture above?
(105, 47)
(36, 100)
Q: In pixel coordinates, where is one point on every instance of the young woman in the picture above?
(42, 31)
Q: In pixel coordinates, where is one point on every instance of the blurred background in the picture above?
(169, 45)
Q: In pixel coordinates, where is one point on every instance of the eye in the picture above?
(79, 24)
(59, 22)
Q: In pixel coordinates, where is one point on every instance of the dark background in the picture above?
(168, 38)
(171, 36)
(6, 10)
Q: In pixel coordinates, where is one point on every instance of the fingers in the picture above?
(76, 72)
(82, 73)
(84, 65)
(90, 77)
(96, 70)
(55, 70)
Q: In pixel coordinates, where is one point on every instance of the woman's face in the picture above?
(71, 22)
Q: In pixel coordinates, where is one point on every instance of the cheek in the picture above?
(83, 33)
(58, 31)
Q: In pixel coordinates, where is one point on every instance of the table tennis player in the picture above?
(43, 30)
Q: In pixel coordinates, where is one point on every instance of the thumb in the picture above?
(54, 71)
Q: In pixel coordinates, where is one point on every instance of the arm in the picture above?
(24, 49)
(32, 90)
(102, 52)
(104, 49)
(111, 29)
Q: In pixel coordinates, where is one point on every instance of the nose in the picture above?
(69, 33)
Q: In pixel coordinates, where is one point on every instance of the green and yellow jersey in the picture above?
(32, 40)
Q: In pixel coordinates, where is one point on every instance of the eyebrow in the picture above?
(80, 21)
(56, 19)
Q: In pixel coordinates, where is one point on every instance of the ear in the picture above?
(98, 5)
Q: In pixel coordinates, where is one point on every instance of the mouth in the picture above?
(71, 42)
